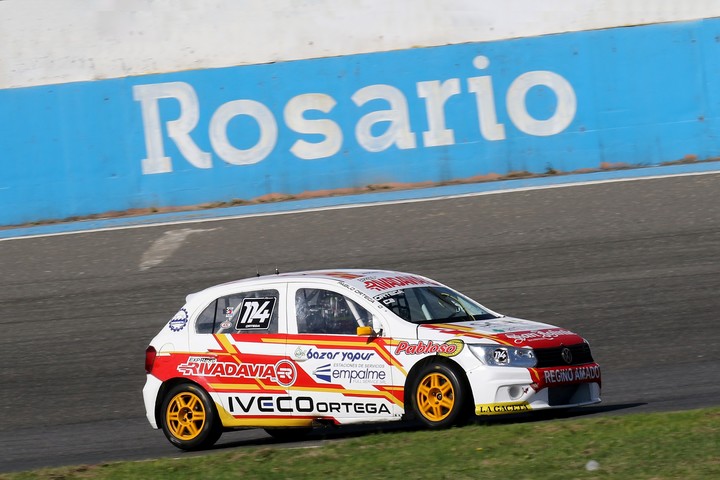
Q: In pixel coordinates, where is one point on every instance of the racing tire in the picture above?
(189, 419)
(289, 434)
(439, 396)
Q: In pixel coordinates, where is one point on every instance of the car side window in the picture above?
(322, 311)
(246, 312)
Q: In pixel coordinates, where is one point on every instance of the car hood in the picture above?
(504, 330)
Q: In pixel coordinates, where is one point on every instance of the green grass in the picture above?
(643, 446)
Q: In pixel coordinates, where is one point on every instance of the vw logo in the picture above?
(566, 355)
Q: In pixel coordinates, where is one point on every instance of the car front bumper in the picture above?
(502, 390)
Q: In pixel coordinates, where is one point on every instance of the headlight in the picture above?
(502, 356)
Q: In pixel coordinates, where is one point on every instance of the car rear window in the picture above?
(244, 312)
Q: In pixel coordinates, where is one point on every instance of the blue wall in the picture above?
(640, 95)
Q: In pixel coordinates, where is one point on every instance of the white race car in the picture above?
(289, 351)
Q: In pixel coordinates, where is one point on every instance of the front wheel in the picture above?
(188, 418)
(439, 396)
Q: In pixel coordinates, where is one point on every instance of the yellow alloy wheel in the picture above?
(185, 416)
(435, 396)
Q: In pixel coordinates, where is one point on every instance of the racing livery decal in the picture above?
(502, 408)
(300, 355)
(283, 372)
(386, 283)
(521, 337)
(342, 348)
(352, 373)
(566, 375)
(448, 349)
(355, 367)
(179, 321)
(286, 404)
(539, 335)
(255, 313)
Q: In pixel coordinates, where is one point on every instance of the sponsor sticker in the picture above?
(301, 354)
(179, 321)
(447, 349)
(537, 335)
(255, 313)
(502, 408)
(386, 283)
(386, 295)
(240, 404)
(202, 359)
(283, 372)
(569, 375)
(351, 373)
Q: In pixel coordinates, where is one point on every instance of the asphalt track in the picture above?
(631, 266)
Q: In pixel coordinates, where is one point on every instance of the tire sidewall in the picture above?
(459, 395)
(211, 428)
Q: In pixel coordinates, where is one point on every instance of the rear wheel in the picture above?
(439, 396)
(189, 419)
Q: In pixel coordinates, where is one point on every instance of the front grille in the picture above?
(552, 357)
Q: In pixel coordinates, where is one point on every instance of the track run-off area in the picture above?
(630, 265)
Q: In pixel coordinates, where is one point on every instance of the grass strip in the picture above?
(641, 446)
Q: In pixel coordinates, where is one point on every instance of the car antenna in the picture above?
(257, 271)
(277, 272)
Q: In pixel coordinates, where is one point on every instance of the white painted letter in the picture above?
(398, 132)
(330, 130)
(564, 112)
(485, 98)
(178, 130)
(435, 95)
(218, 132)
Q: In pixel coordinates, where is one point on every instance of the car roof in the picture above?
(368, 281)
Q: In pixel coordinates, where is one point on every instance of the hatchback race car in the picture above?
(287, 352)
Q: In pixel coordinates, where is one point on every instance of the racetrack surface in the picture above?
(633, 267)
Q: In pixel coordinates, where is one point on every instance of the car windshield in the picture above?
(424, 305)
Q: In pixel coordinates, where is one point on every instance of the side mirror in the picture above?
(364, 331)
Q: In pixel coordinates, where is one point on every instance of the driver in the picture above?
(335, 312)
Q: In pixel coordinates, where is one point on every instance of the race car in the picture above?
(291, 351)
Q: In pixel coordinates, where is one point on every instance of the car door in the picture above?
(239, 343)
(341, 376)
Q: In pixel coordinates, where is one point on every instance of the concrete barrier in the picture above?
(636, 95)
